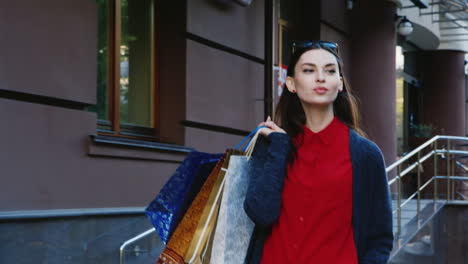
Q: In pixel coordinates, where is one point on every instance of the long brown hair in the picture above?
(290, 115)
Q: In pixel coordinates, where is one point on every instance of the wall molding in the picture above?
(41, 99)
(224, 48)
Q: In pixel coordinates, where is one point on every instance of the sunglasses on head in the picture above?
(320, 43)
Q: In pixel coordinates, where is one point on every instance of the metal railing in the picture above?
(132, 240)
(438, 149)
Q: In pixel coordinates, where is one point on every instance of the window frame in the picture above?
(113, 122)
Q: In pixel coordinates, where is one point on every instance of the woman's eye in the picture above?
(332, 71)
(308, 70)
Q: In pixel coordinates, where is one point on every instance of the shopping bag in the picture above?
(207, 221)
(206, 253)
(180, 240)
(234, 228)
(167, 209)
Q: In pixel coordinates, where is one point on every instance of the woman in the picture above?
(322, 196)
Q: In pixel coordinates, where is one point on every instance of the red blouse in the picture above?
(315, 220)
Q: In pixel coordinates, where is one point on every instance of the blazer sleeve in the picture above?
(263, 198)
(380, 229)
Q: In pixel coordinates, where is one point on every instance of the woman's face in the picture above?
(316, 78)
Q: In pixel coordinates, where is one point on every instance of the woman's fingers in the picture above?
(271, 124)
(265, 131)
(270, 127)
(276, 127)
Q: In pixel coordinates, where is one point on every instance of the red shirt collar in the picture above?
(325, 135)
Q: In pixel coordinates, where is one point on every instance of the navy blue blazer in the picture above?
(371, 213)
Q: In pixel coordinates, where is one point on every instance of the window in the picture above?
(127, 100)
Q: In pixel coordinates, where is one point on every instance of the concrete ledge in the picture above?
(114, 147)
(54, 213)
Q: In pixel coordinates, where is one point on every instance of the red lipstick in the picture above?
(321, 90)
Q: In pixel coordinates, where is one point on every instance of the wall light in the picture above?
(404, 26)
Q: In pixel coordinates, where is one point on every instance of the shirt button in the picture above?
(301, 219)
(295, 246)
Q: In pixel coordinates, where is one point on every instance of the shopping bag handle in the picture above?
(249, 137)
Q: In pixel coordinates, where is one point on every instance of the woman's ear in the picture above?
(290, 84)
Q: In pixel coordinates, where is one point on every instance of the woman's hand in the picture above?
(270, 128)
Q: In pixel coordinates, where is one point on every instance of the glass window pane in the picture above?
(400, 100)
(102, 106)
(136, 53)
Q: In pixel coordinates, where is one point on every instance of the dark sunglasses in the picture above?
(321, 43)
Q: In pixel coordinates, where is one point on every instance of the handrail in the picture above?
(461, 165)
(130, 241)
(427, 156)
(424, 145)
(409, 155)
(447, 152)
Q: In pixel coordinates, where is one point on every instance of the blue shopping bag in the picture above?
(167, 209)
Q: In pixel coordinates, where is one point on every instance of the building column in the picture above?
(372, 71)
(443, 89)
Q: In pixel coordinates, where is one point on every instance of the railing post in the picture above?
(419, 186)
(435, 172)
(399, 201)
(452, 181)
(448, 169)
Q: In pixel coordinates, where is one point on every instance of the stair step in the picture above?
(426, 240)
(418, 248)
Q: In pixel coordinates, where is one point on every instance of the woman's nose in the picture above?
(320, 76)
